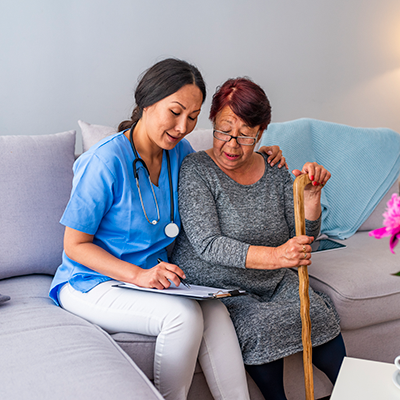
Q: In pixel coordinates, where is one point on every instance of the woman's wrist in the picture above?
(261, 257)
(312, 206)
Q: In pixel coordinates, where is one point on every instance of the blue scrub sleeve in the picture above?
(91, 196)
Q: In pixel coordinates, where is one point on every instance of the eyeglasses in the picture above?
(242, 140)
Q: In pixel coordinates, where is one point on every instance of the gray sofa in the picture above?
(45, 352)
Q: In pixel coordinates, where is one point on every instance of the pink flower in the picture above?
(391, 223)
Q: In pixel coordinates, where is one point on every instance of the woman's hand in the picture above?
(79, 247)
(160, 276)
(293, 253)
(317, 174)
(312, 192)
(275, 156)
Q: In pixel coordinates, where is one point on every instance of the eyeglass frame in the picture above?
(236, 138)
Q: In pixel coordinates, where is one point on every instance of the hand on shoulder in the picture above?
(275, 156)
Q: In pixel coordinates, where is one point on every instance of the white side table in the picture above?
(366, 380)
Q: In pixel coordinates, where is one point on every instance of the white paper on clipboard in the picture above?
(194, 292)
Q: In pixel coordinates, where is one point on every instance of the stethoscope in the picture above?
(171, 229)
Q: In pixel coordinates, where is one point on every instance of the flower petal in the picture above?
(393, 242)
(379, 233)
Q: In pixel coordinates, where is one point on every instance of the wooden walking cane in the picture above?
(298, 193)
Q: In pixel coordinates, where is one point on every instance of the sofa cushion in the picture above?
(35, 184)
(359, 280)
(91, 134)
(201, 139)
(4, 298)
(49, 353)
(140, 348)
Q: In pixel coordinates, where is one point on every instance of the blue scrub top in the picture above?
(105, 203)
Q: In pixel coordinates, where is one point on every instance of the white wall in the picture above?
(60, 61)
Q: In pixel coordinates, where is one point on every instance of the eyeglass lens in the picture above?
(242, 140)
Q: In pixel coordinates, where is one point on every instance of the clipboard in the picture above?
(194, 292)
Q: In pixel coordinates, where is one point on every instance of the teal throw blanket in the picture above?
(364, 162)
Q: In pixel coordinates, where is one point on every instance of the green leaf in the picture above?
(396, 274)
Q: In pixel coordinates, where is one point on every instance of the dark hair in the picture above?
(246, 99)
(161, 80)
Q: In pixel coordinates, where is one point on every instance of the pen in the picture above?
(182, 280)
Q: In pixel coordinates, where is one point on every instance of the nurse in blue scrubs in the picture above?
(122, 215)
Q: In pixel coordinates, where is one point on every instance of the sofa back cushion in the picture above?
(91, 134)
(201, 139)
(35, 184)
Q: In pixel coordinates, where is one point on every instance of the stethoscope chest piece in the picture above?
(171, 230)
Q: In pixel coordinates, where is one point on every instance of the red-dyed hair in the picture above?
(246, 99)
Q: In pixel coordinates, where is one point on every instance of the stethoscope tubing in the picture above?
(138, 160)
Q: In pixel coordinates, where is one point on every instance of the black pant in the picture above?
(269, 377)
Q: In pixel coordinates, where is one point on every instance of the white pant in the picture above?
(184, 328)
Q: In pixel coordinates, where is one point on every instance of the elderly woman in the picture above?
(238, 227)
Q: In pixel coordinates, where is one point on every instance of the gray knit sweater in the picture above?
(221, 219)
